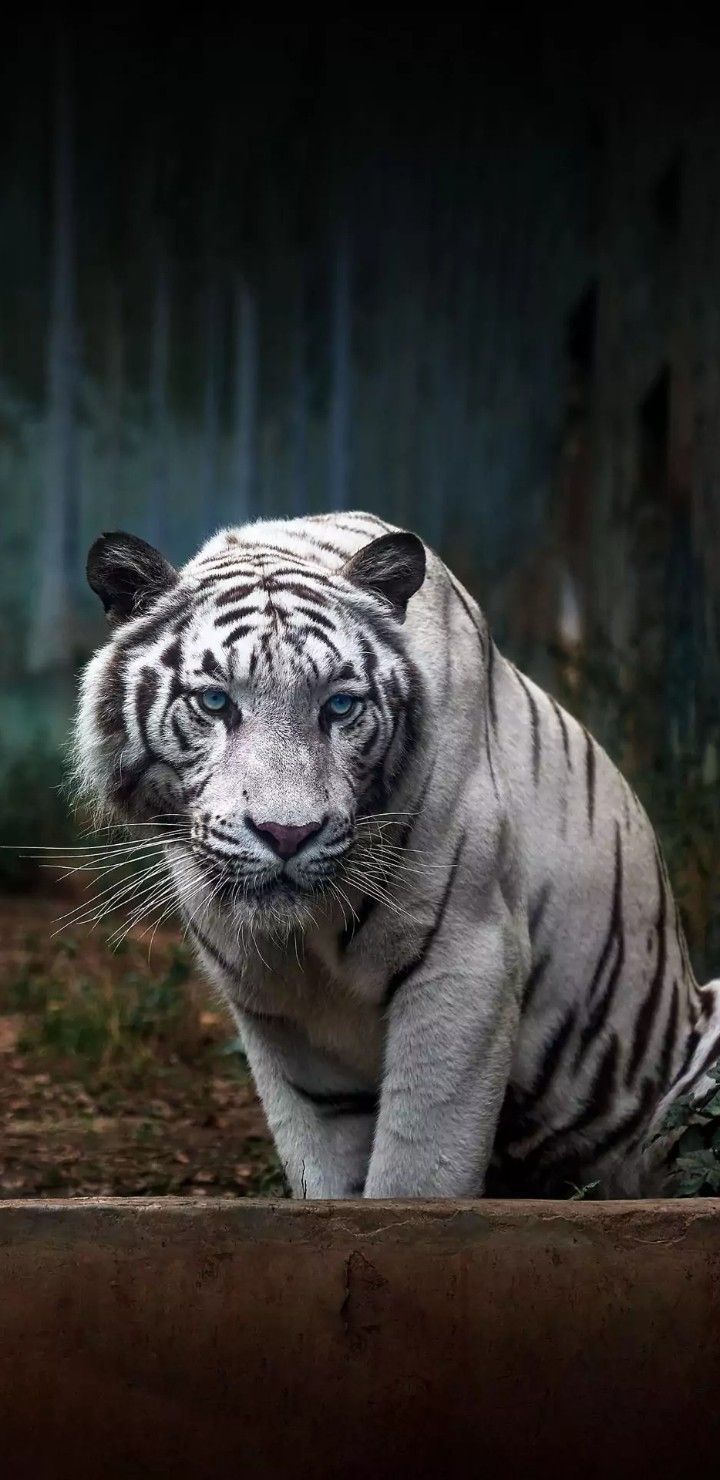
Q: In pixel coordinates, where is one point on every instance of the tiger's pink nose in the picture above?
(285, 841)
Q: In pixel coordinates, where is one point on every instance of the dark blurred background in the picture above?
(469, 279)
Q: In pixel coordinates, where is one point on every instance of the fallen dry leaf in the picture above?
(11, 1027)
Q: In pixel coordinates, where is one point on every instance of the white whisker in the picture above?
(124, 883)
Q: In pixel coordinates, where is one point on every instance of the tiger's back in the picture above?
(612, 1013)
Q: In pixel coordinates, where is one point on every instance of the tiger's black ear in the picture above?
(392, 566)
(127, 574)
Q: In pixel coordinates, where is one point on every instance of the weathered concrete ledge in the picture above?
(352, 1340)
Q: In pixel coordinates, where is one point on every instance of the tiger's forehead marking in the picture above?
(309, 552)
(270, 614)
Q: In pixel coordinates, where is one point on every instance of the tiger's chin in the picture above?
(278, 909)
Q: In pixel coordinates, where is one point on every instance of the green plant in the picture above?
(584, 1191)
(693, 1128)
(102, 1019)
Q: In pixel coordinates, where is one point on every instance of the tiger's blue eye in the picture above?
(340, 705)
(214, 700)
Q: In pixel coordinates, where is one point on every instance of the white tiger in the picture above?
(440, 915)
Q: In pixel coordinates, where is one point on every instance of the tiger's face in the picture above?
(258, 705)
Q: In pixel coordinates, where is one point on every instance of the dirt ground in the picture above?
(120, 1073)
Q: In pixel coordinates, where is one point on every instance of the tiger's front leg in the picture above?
(451, 1034)
(322, 1121)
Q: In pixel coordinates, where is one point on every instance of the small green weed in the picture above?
(579, 1194)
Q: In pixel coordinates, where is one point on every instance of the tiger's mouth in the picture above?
(235, 883)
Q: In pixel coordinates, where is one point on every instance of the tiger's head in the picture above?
(258, 704)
